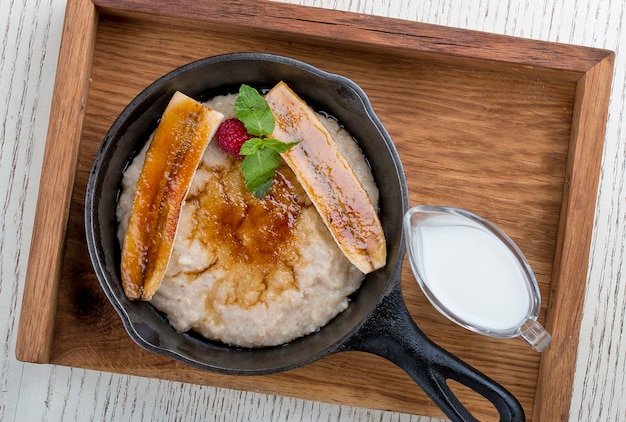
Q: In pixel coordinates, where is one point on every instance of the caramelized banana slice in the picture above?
(328, 179)
(186, 128)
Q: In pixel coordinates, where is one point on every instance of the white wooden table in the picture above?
(31, 31)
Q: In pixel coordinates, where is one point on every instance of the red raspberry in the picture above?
(231, 135)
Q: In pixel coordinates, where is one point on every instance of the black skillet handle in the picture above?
(391, 333)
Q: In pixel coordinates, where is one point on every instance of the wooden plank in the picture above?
(57, 178)
(485, 122)
(578, 208)
(301, 23)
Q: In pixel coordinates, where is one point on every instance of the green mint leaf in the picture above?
(259, 170)
(278, 146)
(251, 146)
(252, 109)
(262, 190)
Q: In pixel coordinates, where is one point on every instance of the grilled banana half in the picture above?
(328, 180)
(185, 130)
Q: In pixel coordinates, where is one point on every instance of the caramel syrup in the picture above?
(253, 240)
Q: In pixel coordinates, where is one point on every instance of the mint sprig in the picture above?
(262, 152)
(252, 109)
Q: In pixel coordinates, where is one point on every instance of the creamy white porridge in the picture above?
(251, 272)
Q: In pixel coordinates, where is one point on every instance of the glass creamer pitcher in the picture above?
(474, 274)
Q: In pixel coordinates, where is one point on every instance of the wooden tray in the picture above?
(511, 129)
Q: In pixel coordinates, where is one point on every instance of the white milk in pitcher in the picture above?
(474, 276)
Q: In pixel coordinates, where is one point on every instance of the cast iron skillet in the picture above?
(376, 321)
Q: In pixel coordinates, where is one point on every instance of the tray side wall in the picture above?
(57, 178)
(558, 362)
(357, 30)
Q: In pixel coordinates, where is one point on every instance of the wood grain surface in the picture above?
(597, 392)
